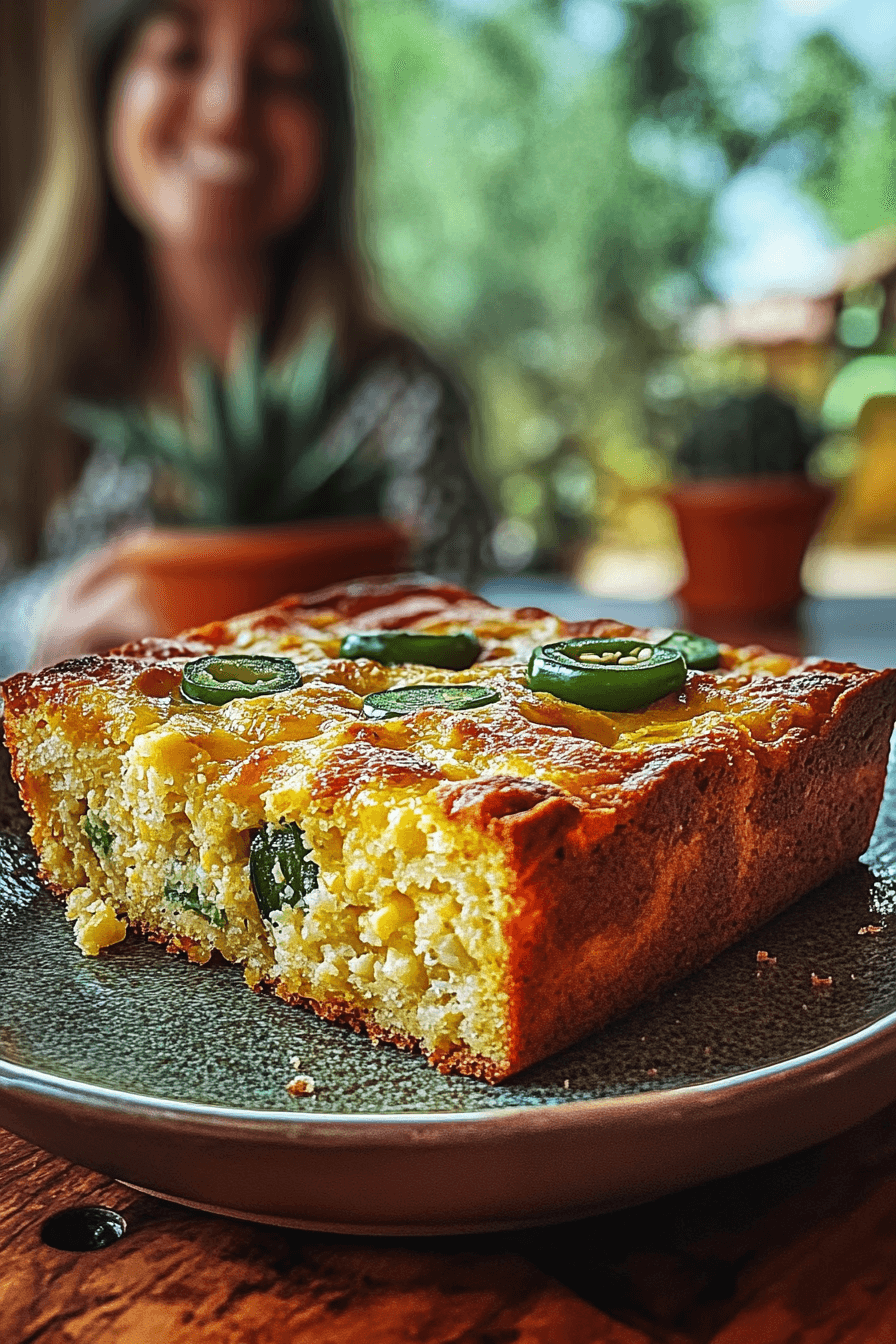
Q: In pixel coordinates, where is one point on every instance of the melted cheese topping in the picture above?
(319, 728)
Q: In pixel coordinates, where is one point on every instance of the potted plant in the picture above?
(746, 510)
(244, 462)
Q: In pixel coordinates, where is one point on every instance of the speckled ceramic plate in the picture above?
(172, 1077)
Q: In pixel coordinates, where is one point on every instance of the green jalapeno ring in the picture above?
(221, 677)
(405, 700)
(700, 653)
(281, 848)
(602, 681)
(457, 652)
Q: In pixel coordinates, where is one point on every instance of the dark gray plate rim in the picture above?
(813, 1067)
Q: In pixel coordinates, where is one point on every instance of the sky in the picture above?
(773, 238)
(867, 27)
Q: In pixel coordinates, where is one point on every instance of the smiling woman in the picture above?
(197, 203)
(215, 140)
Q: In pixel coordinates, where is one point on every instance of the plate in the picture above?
(172, 1077)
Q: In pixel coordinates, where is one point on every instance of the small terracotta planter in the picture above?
(744, 541)
(191, 576)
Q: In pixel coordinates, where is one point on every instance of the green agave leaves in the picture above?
(251, 449)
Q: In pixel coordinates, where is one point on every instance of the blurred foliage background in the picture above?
(551, 186)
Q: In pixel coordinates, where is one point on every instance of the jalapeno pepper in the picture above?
(191, 900)
(280, 869)
(405, 700)
(97, 833)
(698, 652)
(457, 651)
(607, 674)
(221, 677)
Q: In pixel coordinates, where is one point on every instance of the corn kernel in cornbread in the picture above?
(488, 884)
(96, 923)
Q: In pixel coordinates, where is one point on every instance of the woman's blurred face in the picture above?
(213, 139)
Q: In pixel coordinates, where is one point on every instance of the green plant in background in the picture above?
(542, 208)
(758, 435)
(249, 449)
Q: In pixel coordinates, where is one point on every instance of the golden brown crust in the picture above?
(639, 846)
(698, 861)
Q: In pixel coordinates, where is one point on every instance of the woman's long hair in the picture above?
(76, 310)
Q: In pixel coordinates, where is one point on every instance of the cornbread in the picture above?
(487, 883)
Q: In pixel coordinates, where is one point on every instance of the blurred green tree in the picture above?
(540, 204)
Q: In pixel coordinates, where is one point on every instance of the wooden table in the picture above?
(802, 1250)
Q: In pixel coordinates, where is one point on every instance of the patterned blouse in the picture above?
(396, 447)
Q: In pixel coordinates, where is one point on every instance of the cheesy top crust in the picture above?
(249, 746)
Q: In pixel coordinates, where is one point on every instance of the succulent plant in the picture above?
(757, 435)
(251, 448)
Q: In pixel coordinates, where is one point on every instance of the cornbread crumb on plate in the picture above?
(302, 1084)
(96, 923)
(488, 873)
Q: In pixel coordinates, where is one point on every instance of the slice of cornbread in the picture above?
(489, 884)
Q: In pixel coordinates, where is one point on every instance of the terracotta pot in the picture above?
(744, 541)
(190, 576)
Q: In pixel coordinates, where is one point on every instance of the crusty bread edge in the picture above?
(723, 841)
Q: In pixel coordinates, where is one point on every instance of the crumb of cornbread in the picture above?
(96, 923)
(302, 1085)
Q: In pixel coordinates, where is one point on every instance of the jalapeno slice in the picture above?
(405, 700)
(221, 677)
(183, 899)
(700, 653)
(458, 651)
(607, 674)
(280, 868)
(97, 833)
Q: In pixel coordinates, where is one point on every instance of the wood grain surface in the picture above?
(799, 1252)
(181, 1277)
